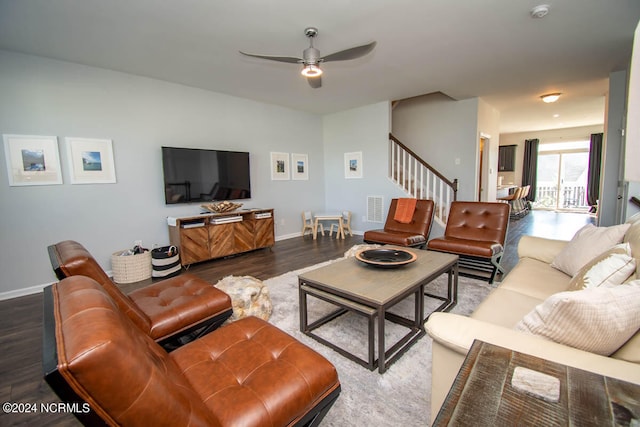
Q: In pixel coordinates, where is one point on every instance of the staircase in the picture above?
(420, 180)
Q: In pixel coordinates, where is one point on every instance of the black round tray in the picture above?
(386, 258)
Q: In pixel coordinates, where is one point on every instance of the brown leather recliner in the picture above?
(172, 311)
(476, 231)
(414, 234)
(246, 373)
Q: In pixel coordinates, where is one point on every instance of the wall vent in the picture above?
(374, 209)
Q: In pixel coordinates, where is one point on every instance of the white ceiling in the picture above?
(464, 48)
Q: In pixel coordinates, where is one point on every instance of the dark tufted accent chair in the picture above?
(247, 373)
(476, 231)
(172, 311)
(414, 234)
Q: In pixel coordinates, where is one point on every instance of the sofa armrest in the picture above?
(540, 248)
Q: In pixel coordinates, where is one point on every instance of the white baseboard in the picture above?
(23, 292)
(38, 288)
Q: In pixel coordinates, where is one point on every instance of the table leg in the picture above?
(303, 307)
(340, 229)
(315, 229)
(381, 350)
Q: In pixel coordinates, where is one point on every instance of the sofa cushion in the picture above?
(493, 308)
(588, 242)
(536, 279)
(598, 320)
(611, 268)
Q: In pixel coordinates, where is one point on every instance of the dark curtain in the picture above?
(595, 163)
(530, 166)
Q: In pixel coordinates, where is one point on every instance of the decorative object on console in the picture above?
(90, 161)
(249, 297)
(222, 207)
(32, 160)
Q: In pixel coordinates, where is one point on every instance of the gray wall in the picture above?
(364, 129)
(444, 132)
(46, 97)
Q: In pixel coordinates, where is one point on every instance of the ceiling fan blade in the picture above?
(353, 53)
(315, 82)
(289, 59)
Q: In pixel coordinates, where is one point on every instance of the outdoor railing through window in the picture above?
(572, 197)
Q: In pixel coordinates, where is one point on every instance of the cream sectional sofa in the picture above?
(530, 283)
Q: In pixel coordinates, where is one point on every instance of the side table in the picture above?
(483, 393)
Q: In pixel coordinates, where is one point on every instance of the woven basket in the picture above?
(131, 268)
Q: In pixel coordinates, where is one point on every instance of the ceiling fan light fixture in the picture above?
(311, 70)
(550, 97)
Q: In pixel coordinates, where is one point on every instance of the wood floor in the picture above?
(21, 318)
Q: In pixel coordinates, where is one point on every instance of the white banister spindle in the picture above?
(418, 180)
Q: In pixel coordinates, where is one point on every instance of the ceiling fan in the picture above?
(311, 58)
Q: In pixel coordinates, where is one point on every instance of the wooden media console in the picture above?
(210, 235)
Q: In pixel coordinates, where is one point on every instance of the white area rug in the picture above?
(400, 396)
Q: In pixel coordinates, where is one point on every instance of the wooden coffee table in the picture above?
(371, 291)
(486, 392)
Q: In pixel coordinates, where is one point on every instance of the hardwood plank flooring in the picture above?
(21, 318)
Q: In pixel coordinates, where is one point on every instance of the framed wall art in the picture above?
(90, 161)
(280, 166)
(299, 166)
(32, 160)
(353, 165)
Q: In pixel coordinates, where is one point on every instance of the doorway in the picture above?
(562, 176)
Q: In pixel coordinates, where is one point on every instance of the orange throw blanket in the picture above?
(404, 210)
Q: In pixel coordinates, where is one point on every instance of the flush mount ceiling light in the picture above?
(539, 11)
(550, 97)
(311, 70)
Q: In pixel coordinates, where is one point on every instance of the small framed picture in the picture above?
(353, 165)
(32, 160)
(90, 161)
(299, 166)
(280, 166)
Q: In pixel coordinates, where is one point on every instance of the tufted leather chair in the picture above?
(247, 373)
(414, 234)
(476, 231)
(171, 311)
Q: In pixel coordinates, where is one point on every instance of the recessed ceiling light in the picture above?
(550, 97)
(555, 116)
(539, 11)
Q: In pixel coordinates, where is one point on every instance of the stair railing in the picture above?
(419, 179)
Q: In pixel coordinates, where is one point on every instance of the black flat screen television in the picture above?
(199, 175)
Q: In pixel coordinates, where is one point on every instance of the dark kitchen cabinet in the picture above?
(507, 158)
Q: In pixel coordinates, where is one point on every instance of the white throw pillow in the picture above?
(588, 242)
(598, 320)
(610, 268)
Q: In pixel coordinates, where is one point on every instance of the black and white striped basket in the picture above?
(165, 262)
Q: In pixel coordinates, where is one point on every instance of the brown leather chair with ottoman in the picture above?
(172, 311)
(412, 231)
(246, 373)
(476, 231)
